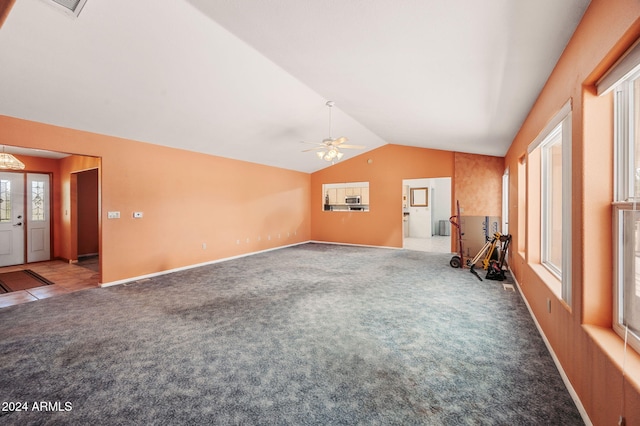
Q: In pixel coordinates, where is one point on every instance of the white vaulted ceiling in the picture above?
(248, 79)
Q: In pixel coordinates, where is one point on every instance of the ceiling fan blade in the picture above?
(353, 146)
(314, 149)
(339, 141)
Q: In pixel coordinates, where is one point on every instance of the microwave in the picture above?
(352, 199)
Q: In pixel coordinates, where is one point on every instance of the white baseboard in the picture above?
(565, 379)
(351, 244)
(184, 268)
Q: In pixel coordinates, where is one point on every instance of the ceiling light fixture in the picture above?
(328, 149)
(8, 161)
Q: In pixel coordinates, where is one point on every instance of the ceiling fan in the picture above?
(329, 148)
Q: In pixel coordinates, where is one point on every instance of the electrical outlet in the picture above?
(204, 246)
(137, 215)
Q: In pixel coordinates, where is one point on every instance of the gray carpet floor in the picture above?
(314, 334)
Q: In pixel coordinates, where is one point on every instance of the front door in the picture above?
(25, 221)
(11, 218)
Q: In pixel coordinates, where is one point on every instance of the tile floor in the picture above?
(67, 278)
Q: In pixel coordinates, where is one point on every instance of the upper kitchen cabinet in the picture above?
(364, 193)
(350, 196)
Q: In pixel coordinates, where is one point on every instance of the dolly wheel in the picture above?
(455, 262)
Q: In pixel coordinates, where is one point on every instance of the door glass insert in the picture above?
(5, 200)
(37, 201)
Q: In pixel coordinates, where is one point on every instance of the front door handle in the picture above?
(18, 224)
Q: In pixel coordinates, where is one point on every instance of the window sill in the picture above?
(613, 347)
(552, 281)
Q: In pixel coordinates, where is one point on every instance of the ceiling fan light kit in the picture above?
(332, 155)
(328, 149)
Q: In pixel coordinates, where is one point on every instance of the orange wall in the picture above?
(580, 334)
(187, 199)
(388, 166)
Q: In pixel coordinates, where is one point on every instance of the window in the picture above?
(351, 196)
(5, 201)
(37, 201)
(549, 187)
(626, 213)
(522, 203)
(551, 232)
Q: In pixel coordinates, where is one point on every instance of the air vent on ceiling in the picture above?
(72, 7)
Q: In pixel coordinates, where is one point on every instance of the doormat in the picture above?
(21, 280)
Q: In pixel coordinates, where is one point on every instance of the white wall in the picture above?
(419, 217)
(441, 202)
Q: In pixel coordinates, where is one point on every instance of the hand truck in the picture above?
(457, 260)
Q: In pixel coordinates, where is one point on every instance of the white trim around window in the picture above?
(554, 143)
(625, 209)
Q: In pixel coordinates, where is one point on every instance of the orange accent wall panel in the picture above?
(478, 184)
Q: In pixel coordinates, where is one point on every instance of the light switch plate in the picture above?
(137, 215)
(113, 215)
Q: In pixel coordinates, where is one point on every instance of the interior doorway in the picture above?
(426, 208)
(85, 215)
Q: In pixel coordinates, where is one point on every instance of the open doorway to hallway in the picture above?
(426, 208)
(85, 218)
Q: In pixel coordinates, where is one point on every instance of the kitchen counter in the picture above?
(346, 207)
